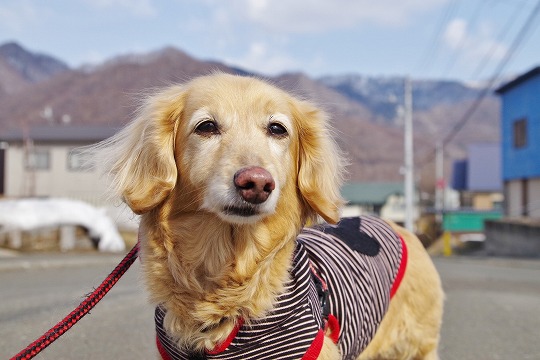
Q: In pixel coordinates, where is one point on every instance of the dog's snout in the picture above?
(254, 184)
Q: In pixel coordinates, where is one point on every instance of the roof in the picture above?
(373, 193)
(519, 80)
(60, 133)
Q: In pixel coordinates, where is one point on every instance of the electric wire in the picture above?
(430, 54)
(509, 24)
(463, 41)
(520, 36)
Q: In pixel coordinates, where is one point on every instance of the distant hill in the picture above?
(20, 67)
(37, 89)
(437, 106)
(383, 96)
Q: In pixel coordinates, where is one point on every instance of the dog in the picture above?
(226, 172)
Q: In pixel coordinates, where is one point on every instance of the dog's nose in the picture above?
(254, 184)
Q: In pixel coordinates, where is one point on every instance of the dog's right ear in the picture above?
(140, 158)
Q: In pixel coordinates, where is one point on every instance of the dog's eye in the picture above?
(207, 127)
(277, 129)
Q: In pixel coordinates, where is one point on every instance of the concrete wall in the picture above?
(534, 198)
(514, 201)
(512, 238)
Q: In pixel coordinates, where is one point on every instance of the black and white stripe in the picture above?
(286, 333)
(359, 284)
(359, 287)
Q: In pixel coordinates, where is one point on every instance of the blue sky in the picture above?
(457, 39)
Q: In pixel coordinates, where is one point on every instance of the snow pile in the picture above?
(29, 214)
(123, 217)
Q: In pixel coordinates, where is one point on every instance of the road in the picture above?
(35, 299)
(492, 309)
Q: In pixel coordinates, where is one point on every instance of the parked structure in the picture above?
(46, 161)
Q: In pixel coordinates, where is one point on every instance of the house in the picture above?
(519, 233)
(478, 177)
(46, 161)
(381, 198)
(521, 144)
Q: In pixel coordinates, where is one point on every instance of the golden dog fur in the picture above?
(210, 267)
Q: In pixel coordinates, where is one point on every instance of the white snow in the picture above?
(30, 214)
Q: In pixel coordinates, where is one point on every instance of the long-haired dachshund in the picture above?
(226, 171)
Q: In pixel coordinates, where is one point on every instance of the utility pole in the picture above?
(409, 158)
(440, 184)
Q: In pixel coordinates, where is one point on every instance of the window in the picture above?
(38, 159)
(78, 160)
(520, 133)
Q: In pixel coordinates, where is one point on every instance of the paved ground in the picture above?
(492, 308)
(36, 297)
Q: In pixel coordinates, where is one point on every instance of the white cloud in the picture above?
(18, 15)
(260, 58)
(257, 34)
(142, 8)
(473, 44)
(455, 33)
(308, 16)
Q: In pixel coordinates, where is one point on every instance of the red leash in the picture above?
(84, 307)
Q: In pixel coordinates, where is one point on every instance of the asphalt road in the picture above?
(33, 300)
(492, 309)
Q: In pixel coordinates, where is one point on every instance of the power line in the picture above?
(463, 41)
(494, 78)
(500, 36)
(435, 40)
(498, 71)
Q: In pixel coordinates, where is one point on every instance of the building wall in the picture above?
(516, 205)
(484, 167)
(521, 102)
(534, 198)
(486, 201)
(57, 181)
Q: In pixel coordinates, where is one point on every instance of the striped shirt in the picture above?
(360, 260)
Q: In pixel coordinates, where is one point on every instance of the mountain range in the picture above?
(366, 111)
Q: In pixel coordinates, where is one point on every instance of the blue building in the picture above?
(478, 177)
(520, 133)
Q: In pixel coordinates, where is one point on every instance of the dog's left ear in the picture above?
(320, 172)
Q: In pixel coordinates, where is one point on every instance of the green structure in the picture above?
(468, 221)
(371, 195)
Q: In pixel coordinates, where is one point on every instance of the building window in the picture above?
(78, 160)
(38, 159)
(520, 133)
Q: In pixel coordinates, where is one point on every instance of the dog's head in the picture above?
(233, 146)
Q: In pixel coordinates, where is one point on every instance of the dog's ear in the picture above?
(140, 158)
(321, 164)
